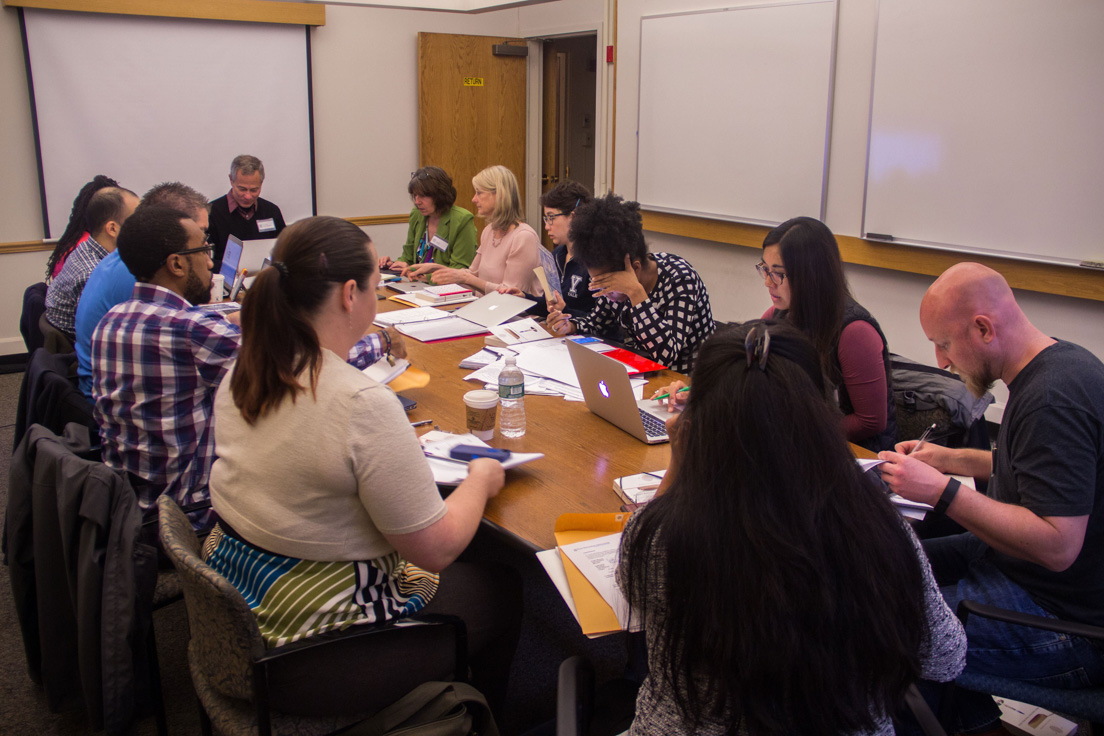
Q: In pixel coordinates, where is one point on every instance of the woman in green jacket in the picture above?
(439, 231)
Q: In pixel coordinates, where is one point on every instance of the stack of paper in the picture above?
(639, 488)
(386, 369)
(583, 568)
(912, 509)
(516, 332)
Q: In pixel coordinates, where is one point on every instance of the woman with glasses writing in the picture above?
(802, 271)
(509, 249)
(439, 232)
(779, 590)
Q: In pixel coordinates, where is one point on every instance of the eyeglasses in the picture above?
(207, 249)
(549, 219)
(775, 277)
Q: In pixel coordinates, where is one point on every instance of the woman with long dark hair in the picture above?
(76, 230)
(780, 591)
(321, 484)
(803, 273)
(439, 231)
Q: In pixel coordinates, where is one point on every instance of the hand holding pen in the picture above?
(676, 395)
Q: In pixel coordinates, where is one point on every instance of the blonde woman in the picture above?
(509, 249)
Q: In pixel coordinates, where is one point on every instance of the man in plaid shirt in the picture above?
(657, 299)
(158, 358)
(107, 210)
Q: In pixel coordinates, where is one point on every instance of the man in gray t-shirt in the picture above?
(1035, 542)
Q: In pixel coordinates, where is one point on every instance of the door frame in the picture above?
(603, 115)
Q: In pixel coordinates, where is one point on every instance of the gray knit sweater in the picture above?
(942, 655)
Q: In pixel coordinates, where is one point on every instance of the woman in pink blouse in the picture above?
(509, 249)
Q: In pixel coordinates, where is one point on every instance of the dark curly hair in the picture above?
(149, 237)
(605, 230)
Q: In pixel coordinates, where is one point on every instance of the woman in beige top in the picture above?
(509, 249)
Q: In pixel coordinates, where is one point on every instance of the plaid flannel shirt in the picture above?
(156, 364)
(65, 290)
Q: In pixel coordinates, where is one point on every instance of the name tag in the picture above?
(439, 243)
(266, 226)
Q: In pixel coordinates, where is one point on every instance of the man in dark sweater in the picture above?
(241, 212)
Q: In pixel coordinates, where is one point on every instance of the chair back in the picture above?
(49, 396)
(224, 634)
(34, 306)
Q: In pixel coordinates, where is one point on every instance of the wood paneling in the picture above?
(258, 11)
(1082, 283)
(25, 246)
(367, 220)
(465, 128)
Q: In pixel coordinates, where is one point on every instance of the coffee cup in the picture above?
(481, 407)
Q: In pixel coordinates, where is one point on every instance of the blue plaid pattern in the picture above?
(156, 364)
(64, 291)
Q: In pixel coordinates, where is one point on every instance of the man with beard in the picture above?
(1035, 541)
(157, 360)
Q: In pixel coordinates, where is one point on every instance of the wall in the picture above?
(893, 297)
(365, 112)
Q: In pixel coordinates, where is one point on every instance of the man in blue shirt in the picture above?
(111, 283)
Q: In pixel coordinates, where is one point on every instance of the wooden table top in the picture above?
(583, 452)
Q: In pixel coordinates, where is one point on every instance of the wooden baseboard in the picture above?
(1045, 278)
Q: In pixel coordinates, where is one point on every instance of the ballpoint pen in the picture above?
(923, 437)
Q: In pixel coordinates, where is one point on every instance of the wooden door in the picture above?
(471, 109)
(552, 103)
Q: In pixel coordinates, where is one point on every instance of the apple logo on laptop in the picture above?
(493, 306)
(603, 389)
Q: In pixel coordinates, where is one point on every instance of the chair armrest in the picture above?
(929, 724)
(1088, 631)
(574, 697)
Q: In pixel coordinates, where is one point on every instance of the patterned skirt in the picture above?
(294, 598)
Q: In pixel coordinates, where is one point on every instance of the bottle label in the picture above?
(511, 391)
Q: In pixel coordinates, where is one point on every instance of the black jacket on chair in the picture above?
(81, 582)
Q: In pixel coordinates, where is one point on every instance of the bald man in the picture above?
(1035, 541)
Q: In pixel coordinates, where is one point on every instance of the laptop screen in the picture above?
(230, 260)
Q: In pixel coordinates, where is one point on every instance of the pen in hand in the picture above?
(923, 438)
(681, 390)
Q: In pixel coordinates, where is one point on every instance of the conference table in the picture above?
(583, 453)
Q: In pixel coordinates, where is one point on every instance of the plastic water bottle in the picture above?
(511, 399)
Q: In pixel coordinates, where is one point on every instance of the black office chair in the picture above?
(1086, 703)
(34, 306)
(49, 396)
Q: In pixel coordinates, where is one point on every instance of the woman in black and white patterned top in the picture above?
(657, 299)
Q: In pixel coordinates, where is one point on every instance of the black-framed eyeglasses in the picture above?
(208, 249)
(775, 277)
(549, 219)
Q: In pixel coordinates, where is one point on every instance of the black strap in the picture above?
(947, 496)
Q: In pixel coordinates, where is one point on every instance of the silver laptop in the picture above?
(493, 309)
(405, 287)
(608, 393)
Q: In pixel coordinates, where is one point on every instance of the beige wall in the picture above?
(893, 297)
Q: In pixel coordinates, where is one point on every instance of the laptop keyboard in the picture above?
(653, 425)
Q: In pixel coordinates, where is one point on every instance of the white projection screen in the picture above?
(146, 100)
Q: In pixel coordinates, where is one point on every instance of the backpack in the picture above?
(925, 395)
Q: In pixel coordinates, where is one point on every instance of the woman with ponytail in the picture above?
(321, 483)
(780, 591)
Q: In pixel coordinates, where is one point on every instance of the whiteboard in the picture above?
(734, 111)
(987, 127)
(146, 100)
